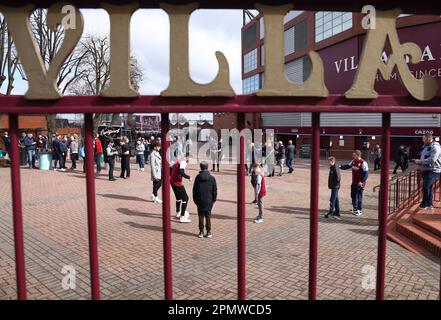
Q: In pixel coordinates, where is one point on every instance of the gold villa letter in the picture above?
(120, 85)
(275, 81)
(42, 83)
(181, 83)
(370, 62)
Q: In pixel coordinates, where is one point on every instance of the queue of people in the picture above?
(204, 193)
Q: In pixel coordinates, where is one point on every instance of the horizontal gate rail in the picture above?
(408, 6)
(240, 103)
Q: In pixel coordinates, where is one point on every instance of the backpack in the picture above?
(82, 152)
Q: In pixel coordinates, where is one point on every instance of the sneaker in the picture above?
(139, 169)
(201, 234)
(327, 215)
(358, 213)
(187, 214)
(184, 219)
(63, 170)
(209, 235)
(254, 202)
(178, 215)
(157, 200)
(258, 220)
(152, 197)
(422, 207)
(336, 217)
(353, 210)
(142, 169)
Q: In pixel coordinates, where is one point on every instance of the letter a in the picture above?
(370, 62)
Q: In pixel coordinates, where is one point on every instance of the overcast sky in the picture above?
(210, 30)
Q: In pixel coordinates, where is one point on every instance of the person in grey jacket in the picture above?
(430, 166)
(156, 167)
(290, 153)
(74, 148)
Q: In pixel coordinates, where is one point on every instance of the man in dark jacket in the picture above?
(402, 159)
(281, 157)
(290, 152)
(204, 196)
(334, 184)
(30, 145)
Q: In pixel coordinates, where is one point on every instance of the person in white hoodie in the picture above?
(140, 148)
(156, 167)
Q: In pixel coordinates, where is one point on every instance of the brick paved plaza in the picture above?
(130, 242)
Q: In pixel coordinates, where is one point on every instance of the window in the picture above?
(289, 41)
(301, 35)
(250, 61)
(251, 84)
(249, 37)
(329, 23)
(262, 28)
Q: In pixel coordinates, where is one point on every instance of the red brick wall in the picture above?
(25, 122)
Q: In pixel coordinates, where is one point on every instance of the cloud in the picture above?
(210, 31)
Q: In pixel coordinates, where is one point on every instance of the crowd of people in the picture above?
(260, 164)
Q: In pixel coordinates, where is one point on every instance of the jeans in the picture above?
(282, 166)
(377, 163)
(31, 158)
(181, 199)
(429, 178)
(111, 162)
(334, 203)
(357, 196)
(261, 207)
(207, 216)
(125, 166)
(289, 164)
(400, 165)
(60, 158)
(74, 158)
(141, 161)
(98, 162)
(156, 185)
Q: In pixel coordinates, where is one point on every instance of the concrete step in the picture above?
(421, 236)
(429, 222)
(405, 242)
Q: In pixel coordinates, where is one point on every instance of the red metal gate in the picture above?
(15, 106)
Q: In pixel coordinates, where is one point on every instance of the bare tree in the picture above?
(96, 75)
(9, 63)
(49, 42)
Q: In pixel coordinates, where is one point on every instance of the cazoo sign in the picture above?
(42, 81)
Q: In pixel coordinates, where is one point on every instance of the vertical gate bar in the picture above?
(166, 223)
(382, 210)
(409, 195)
(313, 227)
(91, 206)
(241, 244)
(17, 209)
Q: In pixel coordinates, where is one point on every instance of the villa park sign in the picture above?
(42, 82)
